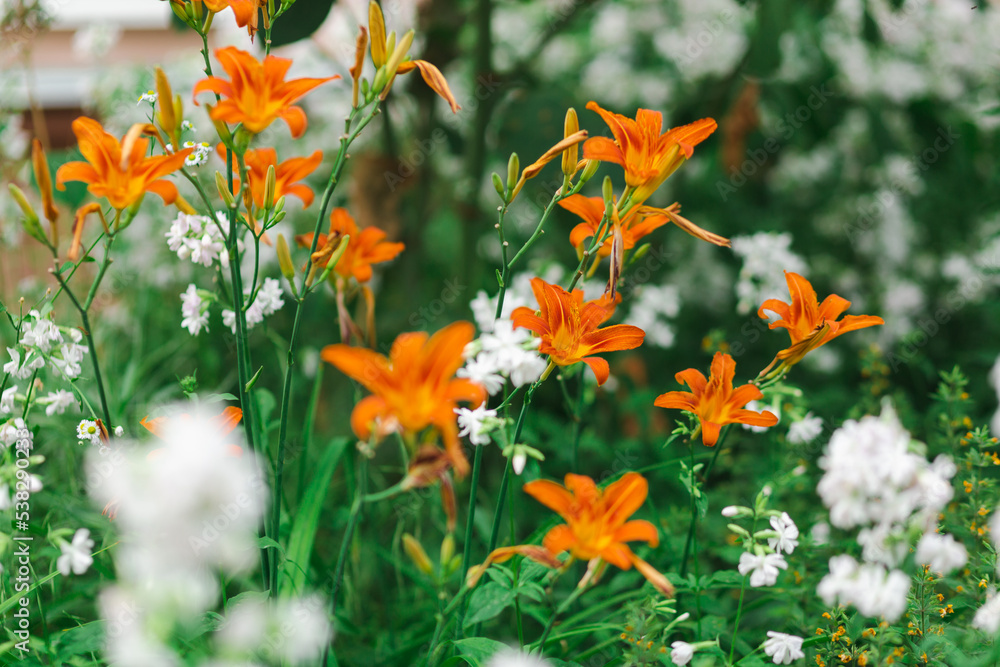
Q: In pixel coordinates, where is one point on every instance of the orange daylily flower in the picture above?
(597, 525)
(287, 174)
(257, 93)
(715, 401)
(366, 247)
(636, 225)
(568, 327)
(245, 10)
(647, 156)
(123, 177)
(414, 388)
(811, 324)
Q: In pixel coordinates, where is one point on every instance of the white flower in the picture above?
(482, 370)
(204, 250)
(200, 154)
(528, 369)
(9, 432)
(872, 588)
(518, 462)
(194, 311)
(509, 657)
(23, 370)
(942, 553)
(7, 399)
(58, 402)
(270, 297)
(4, 497)
(471, 424)
(730, 511)
(76, 557)
(72, 355)
(299, 623)
(783, 649)
(806, 429)
(681, 653)
(788, 534)
(187, 126)
(229, 319)
(119, 431)
(987, 617)
(87, 430)
(41, 333)
(763, 569)
(148, 96)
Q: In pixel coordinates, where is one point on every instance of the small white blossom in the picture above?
(42, 333)
(470, 423)
(681, 653)
(763, 569)
(7, 399)
(942, 553)
(872, 588)
(518, 462)
(730, 511)
(23, 370)
(58, 402)
(76, 557)
(788, 534)
(806, 429)
(509, 657)
(194, 311)
(481, 370)
(783, 649)
(119, 431)
(148, 96)
(204, 250)
(88, 430)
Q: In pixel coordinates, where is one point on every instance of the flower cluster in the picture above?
(268, 301)
(200, 239)
(41, 341)
(504, 352)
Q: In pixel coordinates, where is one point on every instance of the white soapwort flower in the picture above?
(194, 311)
(987, 617)
(482, 370)
(788, 534)
(681, 653)
(58, 401)
(7, 399)
(942, 553)
(805, 430)
(471, 424)
(783, 649)
(762, 568)
(77, 557)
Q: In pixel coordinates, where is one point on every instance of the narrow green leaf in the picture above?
(300, 541)
(253, 380)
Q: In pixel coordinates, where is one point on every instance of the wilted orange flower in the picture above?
(123, 177)
(635, 225)
(244, 10)
(568, 327)
(257, 93)
(366, 247)
(810, 323)
(414, 388)
(647, 156)
(287, 174)
(597, 525)
(715, 401)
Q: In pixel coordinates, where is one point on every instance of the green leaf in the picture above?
(476, 650)
(265, 542)
(300, 541)
(246, 596)
(488, 601)
(10, 602)
(87, 638)
(253, 380)
(216, 398)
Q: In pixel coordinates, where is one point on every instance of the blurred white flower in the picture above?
(806, 429)
(194, 311)
(871, 588)
(58, 401)
(514, 658)
(23, 370)
(76, 556)
(788, 534)
(681, 653)
(783, 649)
(757, 406)
(766, 256)
(7, 399)
(987, 617)
(820, 533)
(942, 553)
(471, 424)
(652, 308)
(762, 568)
(294, 630)
(94, 40)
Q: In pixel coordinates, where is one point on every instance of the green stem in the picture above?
(477, 461)
(739, 608)
(577, 592)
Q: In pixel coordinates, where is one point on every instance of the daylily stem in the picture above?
(739, 608)
(694, 512)
(359, 503)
